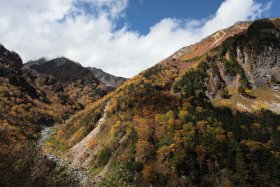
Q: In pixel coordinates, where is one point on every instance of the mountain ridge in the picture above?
(206, 117)
(79, 82)
(207, 43)
(176, 123)
(107, 79)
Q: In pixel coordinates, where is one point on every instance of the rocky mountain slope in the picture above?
(78, 82)
(106, 78)
(55, 67)
(206, 116)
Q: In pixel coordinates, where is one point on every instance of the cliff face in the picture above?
(245, 63)
(262, 69)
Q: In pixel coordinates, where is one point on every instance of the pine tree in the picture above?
(241, 169)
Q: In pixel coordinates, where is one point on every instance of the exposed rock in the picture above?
(262, 69)
(106, 78)
(13, 58)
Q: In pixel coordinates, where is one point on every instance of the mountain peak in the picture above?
(62, 65)
(63, 60)
(58, 61)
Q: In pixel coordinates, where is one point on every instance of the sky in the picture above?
(122, 37)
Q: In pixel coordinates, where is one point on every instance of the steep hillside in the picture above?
(78, 82)
(206, 116)
(28, 101)
(106, 78)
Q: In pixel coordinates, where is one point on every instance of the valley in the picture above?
(208, 115)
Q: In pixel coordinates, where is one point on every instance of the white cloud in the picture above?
(232, 11)
(32, 28)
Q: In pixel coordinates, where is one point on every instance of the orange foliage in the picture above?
(143, 128)
(76, 137)
(143, 150)
(147, 173)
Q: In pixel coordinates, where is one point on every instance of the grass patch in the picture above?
(95, 170)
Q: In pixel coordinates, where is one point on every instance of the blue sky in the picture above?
(142, 14)
(122, 37)
(274, 10)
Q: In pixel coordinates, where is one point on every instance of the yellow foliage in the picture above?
(164, 152)
(77, 136)
(143, 150)
(163, 119)
(179, 137)
(221, 138)
(252, 145)
(199, 109)
(275, 154)
(201, 151)
(147, 173)
(160, 119)
(115, 128)
(60, 133)
(186, 104)
(255, 126)
(160, 131)
(113, 106)
(201, 125)
(182, 115)
(259, 105)
(143, 128)
(248, 91)
(92, 143)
